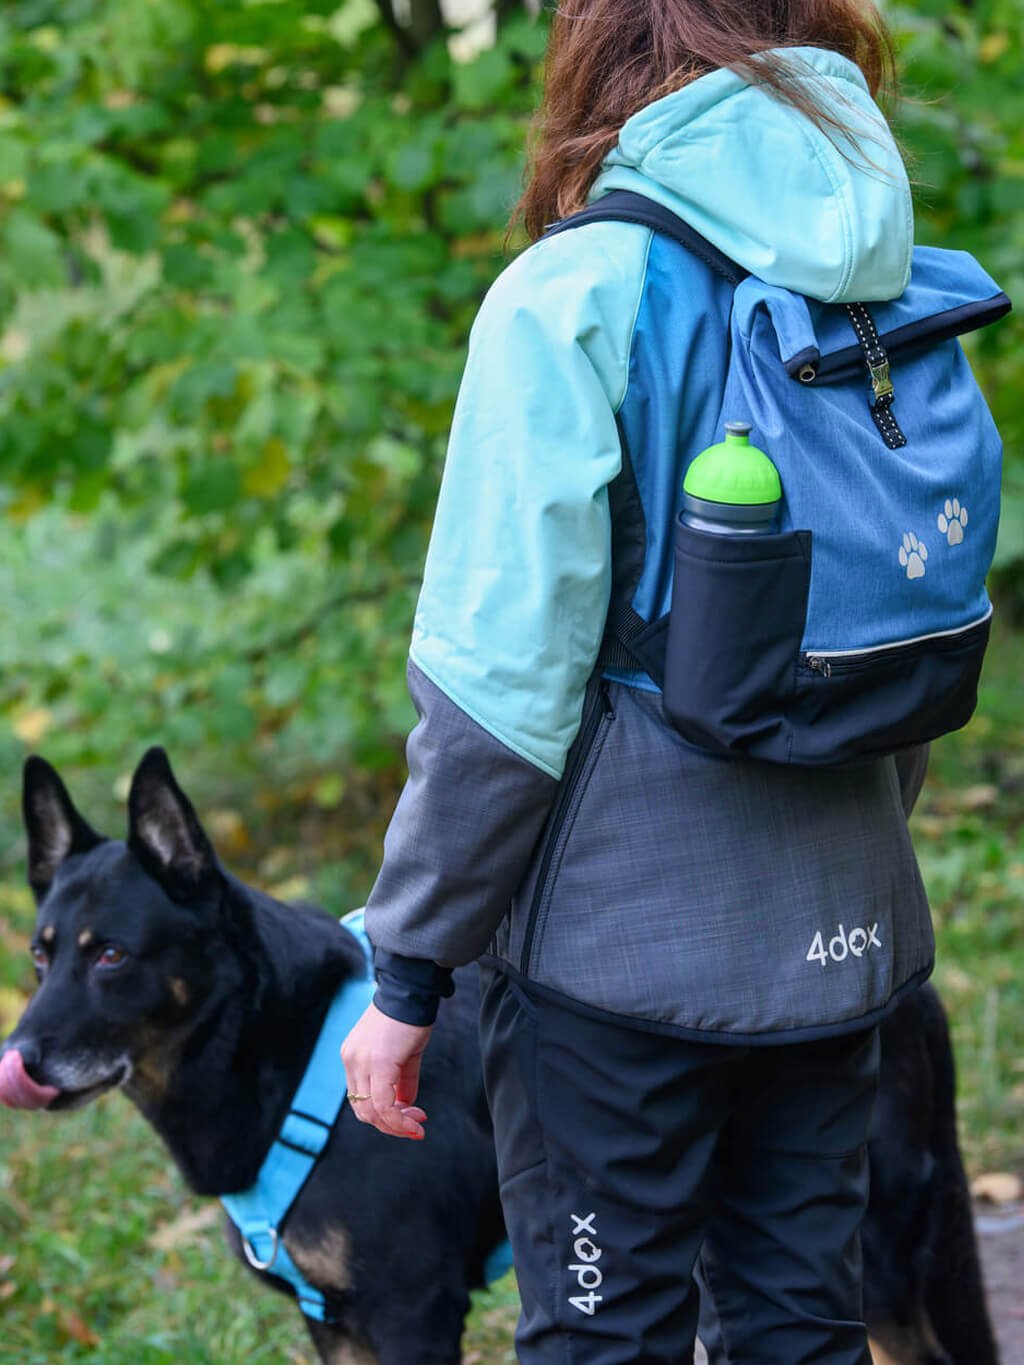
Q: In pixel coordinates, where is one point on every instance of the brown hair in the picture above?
(608, 58)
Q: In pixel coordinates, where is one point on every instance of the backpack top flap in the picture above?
(949, 295)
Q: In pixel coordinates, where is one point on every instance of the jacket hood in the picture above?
(831, 219)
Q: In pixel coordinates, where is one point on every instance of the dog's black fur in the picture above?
(924, 1300)
(207, 1024)
(209, 1019)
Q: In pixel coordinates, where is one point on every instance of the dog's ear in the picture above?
(164, 831)
(54, 828)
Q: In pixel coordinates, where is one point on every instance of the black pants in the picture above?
(624, 1154)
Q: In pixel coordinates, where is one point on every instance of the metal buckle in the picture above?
(880, 381)
(251, 1256)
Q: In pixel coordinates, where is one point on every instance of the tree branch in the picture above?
(425, 20)
(401, 35)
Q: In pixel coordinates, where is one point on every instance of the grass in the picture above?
(105, 1257)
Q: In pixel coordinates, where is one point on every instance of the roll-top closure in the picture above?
(949, 295)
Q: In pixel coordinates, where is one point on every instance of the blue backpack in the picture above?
(860, 626)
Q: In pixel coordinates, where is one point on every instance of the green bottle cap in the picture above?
(734, 471)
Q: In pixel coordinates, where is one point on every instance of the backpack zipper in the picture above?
(832, 663)
(595, 717)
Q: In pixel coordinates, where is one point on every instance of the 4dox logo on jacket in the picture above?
(842, 944)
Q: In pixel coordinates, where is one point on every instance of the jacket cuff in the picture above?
(410, 989)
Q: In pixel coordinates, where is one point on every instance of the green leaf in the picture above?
(214, 486)
(479, 84)
(13, 159)
(33, 252)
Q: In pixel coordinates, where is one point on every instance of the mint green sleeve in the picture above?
(517, 580)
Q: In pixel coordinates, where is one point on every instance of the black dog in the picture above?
(201, 998)
(924, 1300)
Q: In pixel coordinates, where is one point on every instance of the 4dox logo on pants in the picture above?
(843, 945)
(586, 1253)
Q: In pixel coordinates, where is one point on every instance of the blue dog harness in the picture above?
(259, 1211)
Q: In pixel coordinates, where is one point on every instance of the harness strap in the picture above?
(259, 1212)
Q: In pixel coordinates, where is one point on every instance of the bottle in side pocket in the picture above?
(733, 488)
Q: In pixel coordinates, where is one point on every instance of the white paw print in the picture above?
(913, 553)
(952, 521)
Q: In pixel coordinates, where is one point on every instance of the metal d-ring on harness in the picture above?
(250, 1254)
(881, 382)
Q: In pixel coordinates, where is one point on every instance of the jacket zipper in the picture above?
(832, 664)
(597, 713)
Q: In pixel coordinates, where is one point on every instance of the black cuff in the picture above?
(410, 989)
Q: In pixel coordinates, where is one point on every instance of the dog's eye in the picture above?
(111, 957)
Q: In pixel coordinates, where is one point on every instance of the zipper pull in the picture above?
(821, 666)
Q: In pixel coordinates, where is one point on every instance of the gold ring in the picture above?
(354, 1099)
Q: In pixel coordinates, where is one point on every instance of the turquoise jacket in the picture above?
(591, 340)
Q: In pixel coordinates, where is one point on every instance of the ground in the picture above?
(1001, 1235)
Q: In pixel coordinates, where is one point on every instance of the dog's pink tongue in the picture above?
(17, 1088)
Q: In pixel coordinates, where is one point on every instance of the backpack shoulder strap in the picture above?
(624, 206)
(629, 640)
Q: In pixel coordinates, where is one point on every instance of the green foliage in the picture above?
(962, 119)
(242, 247)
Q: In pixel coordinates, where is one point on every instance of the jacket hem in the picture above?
(726, 1037)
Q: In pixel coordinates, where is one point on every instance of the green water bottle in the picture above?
(732, 489)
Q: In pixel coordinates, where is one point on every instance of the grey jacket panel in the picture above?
(461, 837)
(721, 895)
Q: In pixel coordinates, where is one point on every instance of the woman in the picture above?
(671, 1065)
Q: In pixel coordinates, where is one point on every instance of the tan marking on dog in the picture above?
(86, 938)
(348, 1354)
(48, 934)
(150, 1077)
(153, 1066)
(879, 1355)
(325, 1262)
(906, 1344)
(179, 989)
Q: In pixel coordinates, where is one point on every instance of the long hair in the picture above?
(608, 58)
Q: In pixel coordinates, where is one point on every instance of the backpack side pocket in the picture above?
(739, 609)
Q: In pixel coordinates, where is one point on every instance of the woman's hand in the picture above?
(382, 1059)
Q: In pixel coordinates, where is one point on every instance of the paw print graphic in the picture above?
(952, 520)
(913, 553)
